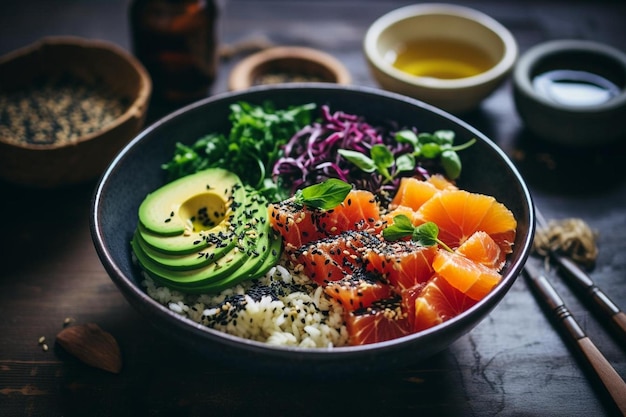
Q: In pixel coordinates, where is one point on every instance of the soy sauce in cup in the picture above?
(575, 88)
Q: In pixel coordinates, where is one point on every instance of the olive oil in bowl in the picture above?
(440, 58)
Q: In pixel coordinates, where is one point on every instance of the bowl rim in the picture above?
(503, 66)
(134, 110)
(537, 54)
(133, 291)
(240, 76)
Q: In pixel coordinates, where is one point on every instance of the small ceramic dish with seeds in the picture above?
(70, 106)
(287, 64)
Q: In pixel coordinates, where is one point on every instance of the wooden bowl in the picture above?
(284, 64)
(43, 157)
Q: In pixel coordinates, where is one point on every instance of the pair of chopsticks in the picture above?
(592, 293)
(614, 384)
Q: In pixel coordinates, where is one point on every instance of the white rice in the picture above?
(281, 308)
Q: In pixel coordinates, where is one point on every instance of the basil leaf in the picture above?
(407, 136)
(362, 161)
(401, 227)
(382, 156)
(430, 150)
(426, 234)
(444, 137)
(325, 195)
(451, 163)
(425, 137)
(405, 163)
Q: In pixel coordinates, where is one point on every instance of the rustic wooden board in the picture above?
(513, 363)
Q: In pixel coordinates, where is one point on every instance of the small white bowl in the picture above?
(547, 83)
(432, 23)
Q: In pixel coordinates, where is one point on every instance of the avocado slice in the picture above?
(250, 252)
(204, 254)
(192, 203)
(204, 248)
(206, 259)
(260, 268)
(228, 264)
(186, 243)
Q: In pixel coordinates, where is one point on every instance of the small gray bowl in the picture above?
(594, 115)
(137, 170)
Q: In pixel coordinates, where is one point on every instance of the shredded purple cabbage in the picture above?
(311, 156)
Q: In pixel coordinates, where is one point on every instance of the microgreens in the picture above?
(438, 144)
(425, 145)
(425, 234)
(249, 149)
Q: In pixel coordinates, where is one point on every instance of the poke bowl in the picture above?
(275, 312)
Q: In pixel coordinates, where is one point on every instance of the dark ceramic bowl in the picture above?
(137, 171)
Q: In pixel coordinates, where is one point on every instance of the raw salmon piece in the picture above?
(434, 303)
(358, 290)
(404, 264)
(333, 258)
(459, 214)
(471, 278)
(383, 320)
(294, 223)
(441, 182)
(413, 192)
(299, 225)
(481, 248)
(359, 211)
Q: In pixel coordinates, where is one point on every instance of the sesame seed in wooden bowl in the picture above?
(67, 106)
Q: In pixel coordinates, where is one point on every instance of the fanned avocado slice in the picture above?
(197, 201)
(246, 249)
(207, 247)
(205, 255)
(257, 268)
(208, 216)
(225, 266)
(186, 244)
(253, 246)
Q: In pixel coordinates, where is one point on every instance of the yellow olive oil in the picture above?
(441, 58)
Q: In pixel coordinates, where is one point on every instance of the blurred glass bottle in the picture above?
(176, 40)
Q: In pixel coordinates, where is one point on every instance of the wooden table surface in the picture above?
(513, 364)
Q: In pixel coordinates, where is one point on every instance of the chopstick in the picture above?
(591, 291)
(614, 384)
